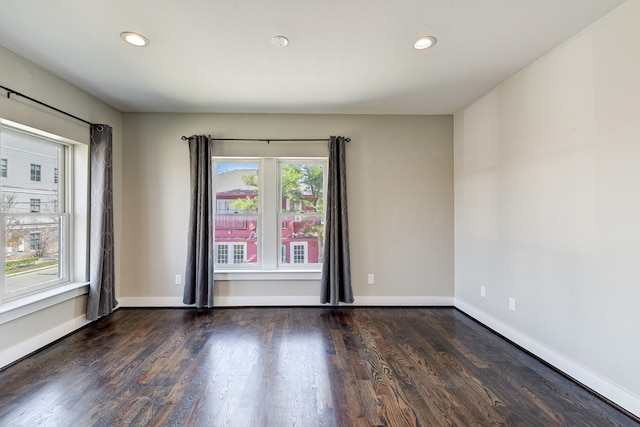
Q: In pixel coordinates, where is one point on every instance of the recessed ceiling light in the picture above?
(279, 41)
(424, 42)
(134, 39)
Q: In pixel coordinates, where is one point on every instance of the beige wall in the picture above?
(32, 331)
(400, 179)
(547, 206)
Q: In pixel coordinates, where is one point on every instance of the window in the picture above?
(269, 213)
(237, 216)
(36, 221)
(34, 205)
(302, 188)
(299, 253)
(239, 253)
(3, 168)
(222, 253)
(34, 241)
(231, 253)
(35, 172)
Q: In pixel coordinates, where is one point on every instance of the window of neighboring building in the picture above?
(239, 253)
(35, 172)
(34, 205)
(299, 253)
(55, 175)
(34, 241)
(231, 253)
(269, 212)
(222, 253)
(3, 168)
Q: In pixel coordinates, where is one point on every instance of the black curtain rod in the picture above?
(13, 92)
(185, 138)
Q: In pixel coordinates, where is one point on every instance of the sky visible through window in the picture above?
(228, 167)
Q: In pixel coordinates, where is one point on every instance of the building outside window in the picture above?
(4, 168)
(269, 212)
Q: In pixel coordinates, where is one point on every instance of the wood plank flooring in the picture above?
(292, 367)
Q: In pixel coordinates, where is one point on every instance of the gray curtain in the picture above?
(198, 284)
(102, 298)
(336, 268)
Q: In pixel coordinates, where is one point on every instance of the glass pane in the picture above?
(236, 239)
(236, 215)
(32, 251)
(236, 188)
(30, 174)
(301, 239)
(302, 187)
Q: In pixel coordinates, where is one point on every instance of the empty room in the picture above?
(294, 213)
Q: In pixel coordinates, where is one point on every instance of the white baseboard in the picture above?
(287, 301)
(418, 301)
(611, 391)
(19, 351)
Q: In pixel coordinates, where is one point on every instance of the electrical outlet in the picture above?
(483, 291)
(178, 279)
(371, 279)
(512, 304)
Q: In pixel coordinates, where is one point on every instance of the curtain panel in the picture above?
(198, 285)
(102, 299)
(336, 267)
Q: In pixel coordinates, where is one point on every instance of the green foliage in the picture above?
(249, 203)
(246, 205)
(302, 184)
(251, 180)
(12, 265)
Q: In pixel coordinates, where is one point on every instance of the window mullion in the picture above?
(270, 248)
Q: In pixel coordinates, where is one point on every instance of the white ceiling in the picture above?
(344, 56)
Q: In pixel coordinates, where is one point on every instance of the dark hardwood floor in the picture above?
(292, 367)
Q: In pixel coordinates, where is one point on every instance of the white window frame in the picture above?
(269, 265)
(73, 214)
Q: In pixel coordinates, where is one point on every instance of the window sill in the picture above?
(23, 306)
(267, 275)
